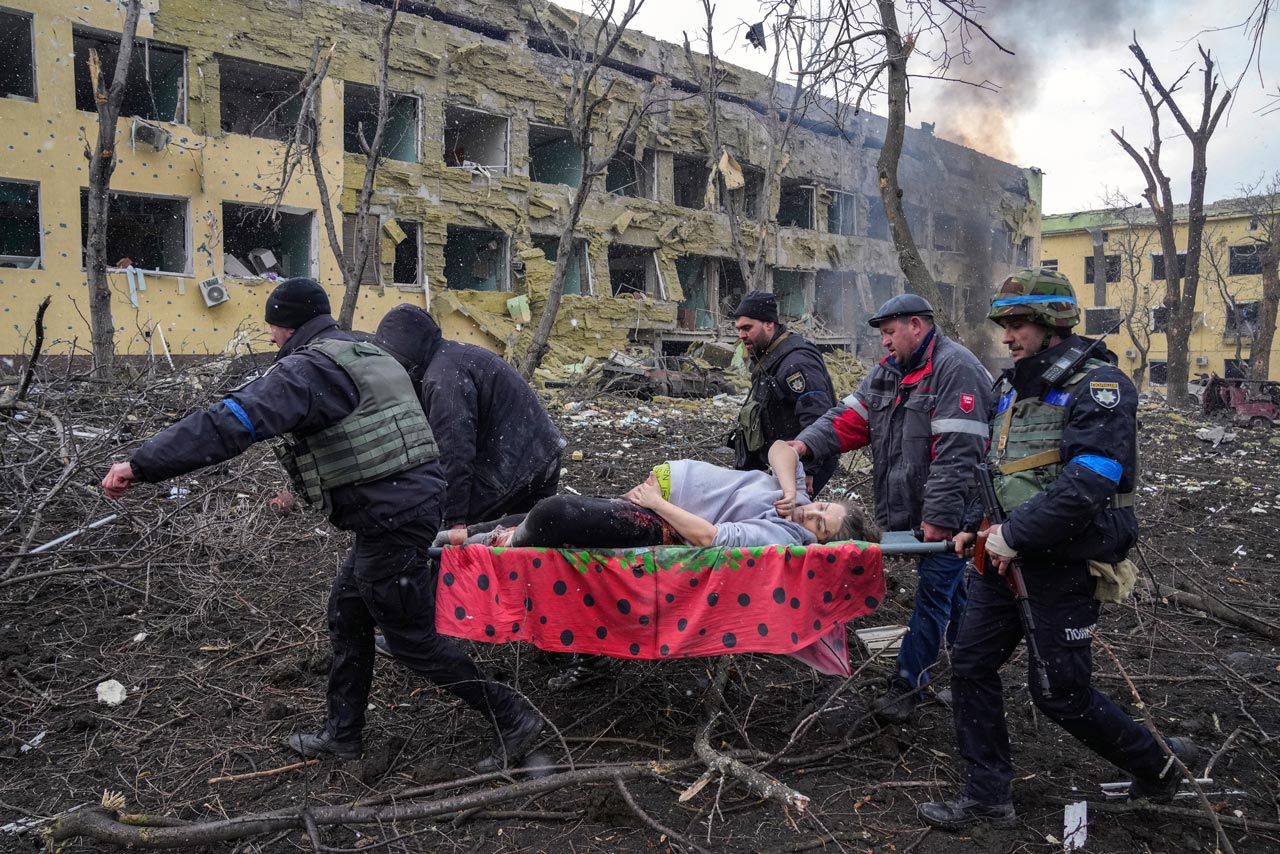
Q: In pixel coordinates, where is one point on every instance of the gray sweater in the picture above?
(738, 503)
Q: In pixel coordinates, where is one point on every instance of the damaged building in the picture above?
(473, 192)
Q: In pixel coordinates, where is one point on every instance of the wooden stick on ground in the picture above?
(270, 772)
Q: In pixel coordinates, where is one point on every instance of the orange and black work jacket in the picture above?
(926, 423)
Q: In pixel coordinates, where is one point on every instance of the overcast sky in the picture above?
(1063, 92)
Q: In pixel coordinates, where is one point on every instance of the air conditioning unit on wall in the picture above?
(214, 292)
(1202, 360)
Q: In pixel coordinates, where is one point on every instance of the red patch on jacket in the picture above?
(966, 403)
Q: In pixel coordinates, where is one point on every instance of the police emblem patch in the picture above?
(966, 403)
(1106, 394)
(795, 382)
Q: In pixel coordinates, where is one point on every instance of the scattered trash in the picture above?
(1075, 825)
(111, 692)
(140, 637)
(1216, 435)
(31, 745)
(881, 639)
(176, 492)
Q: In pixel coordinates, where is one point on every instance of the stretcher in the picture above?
(668, 601)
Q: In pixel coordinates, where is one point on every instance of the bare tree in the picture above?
(1180, 293)
(304, 148)
(102, 164)
(1131, 240)
(1215, 263)
(587, 105)
(1262, 200)
(782, 110)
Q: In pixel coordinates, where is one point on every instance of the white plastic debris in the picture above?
(1075, 825)
(139, 637)
(111, 692)
(31, 745)
(176, 492)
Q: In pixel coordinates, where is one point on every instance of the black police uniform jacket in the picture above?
(795, 389)
(302, 392)
(1072, 520)
(494, 434)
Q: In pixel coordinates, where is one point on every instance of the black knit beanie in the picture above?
(758, 305)
(295, 301)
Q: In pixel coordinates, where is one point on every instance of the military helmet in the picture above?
(902, 305)
(1042, 296)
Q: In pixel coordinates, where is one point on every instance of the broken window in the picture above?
(791, 287)
(630, 177)
(842, 213)
(1113, 268)
(360, 122)
(255, 243)
(1235, 369)
(370, 274)
(946, 296)
(795, 204)
(835, 299)
(573, 271)
(1103, 320)
(694, 311)
(1160, 318)
(148, 231)
(746, 199)
(407, 269)
(156, 87)
(633, 270)
(917, 221)
(946, 232)
(475, 259)
(17, 57)
(1157, 266)
(19, 225)
(1242, 319)
(258, 100)
(473, 138)
(1049, 264)
(1023, 256)
(1246, 260)
(689, 177)
(554, 158)
(1000, 243)
(732, 287)
(877, 219)
(1158, 372)
(883, 288)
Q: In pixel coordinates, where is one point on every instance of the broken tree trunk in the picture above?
(102, 163)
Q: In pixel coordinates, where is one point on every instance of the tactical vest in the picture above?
(757, 410)
(1025, 439)
(386, 433)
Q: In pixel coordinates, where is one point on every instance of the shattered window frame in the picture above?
(278, 122)
(140, 75)
(653, 284)
(501, 265)
(1235, 369)
(1157, 266)
(796, 292)
(584, 277)
(372, 272)
(13, 21)
(642, 176)
(1049, 264)
(835, 300)
(695, 273)
(144, 237)
(946, 232)
(1102, 320)
(1241, 318)
(1113, 268)
(414, 241)
(695, 166)
(877, 219)
(249, 209)
(451, 112)
(788, 213)
(1159, 319)
(359, 93)
(1246, 260)
(11, 260)
(842, 213)
(1158, 372)
(554, 174)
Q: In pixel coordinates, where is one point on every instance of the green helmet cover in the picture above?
(1040, 296)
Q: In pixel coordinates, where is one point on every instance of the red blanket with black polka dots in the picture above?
(664, 602)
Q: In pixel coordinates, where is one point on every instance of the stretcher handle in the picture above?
(908, 545)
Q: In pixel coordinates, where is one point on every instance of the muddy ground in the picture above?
(209, 610)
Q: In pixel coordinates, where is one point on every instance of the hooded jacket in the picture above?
(494, 434)
(302, 392)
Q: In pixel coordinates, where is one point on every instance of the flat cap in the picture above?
(902, 305)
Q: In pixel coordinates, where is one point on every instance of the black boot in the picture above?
(964, 811)
(896, 706)
(1160, 790)
(324, 744)
(512, 742)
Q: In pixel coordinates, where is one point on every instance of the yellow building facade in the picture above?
(1128, 310)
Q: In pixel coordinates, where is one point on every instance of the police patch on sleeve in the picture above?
(795, 382)
(1107, 395)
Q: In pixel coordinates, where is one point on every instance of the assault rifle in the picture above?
(995, 515)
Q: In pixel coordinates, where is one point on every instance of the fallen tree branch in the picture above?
(270, 772)
(105, 825)
(1196, 816)
(1222, 611)
(35, 350)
